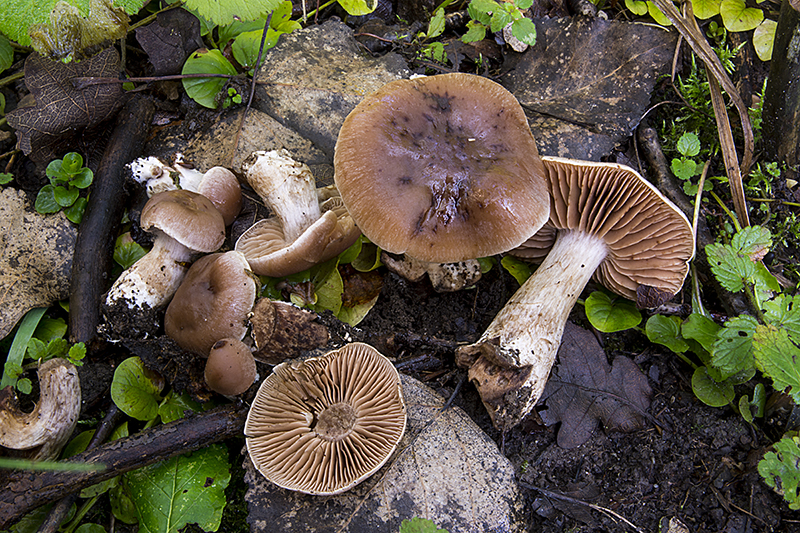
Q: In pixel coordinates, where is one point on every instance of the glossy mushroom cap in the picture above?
(442, 168)
(212, 303)
(230, 368)
(221, 187)
(188, 217)
(323, 425)
(649, 241)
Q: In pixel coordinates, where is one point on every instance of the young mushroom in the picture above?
(230, 367)
(184, 223)
(323, 425)
(212, 303)
(605, 221)
(441, 168)
(45, 430)
(302, 232)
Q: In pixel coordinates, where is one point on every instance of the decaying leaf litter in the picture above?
(420, 327)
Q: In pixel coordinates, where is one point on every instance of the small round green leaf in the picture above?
(666, 330)
(705, 9)
(46, 201)
(64, 196)
(520, 270)
(738, 17)
(356, 8)
(657, 15)
(711, 392)
(764, 39)
(637, 7)
(82, 179)
(75, 212)
(245, 47)
(72, 163)
(609, 315)
(204, 90)
(689, 144)
(136, 390)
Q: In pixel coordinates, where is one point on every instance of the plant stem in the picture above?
(12, 78)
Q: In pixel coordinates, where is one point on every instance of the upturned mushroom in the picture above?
(184, 224)
(323, 425)
(212, 303)
(230, 367)
(45, 430)
(282, 331)
(442, 168)
(605, 221)
(302, 232)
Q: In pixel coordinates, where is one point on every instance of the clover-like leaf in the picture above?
(136, 390)
(46, 200)
(705, 9)
(609, 315)
(204, 90)
(710, 391)
(736, 16)
(65, 196)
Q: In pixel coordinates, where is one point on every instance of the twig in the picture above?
(81, 82)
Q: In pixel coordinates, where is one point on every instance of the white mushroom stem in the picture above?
(288, 188)
(517, 350)
(152, 280)
(48, 427)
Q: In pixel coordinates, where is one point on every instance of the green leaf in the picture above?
(175, 407)
(484, 6)
(753, 242)
(419, 525)
(136, 390)
(500, 19)
(436, 25)
(16, 354)
(64, 196)
(688, 144)
(475, 32)
(6, 54)
(779, 358)
(36, 349)
(522, 5)
(368, 258)
(56, 172)
(520, 270)
(355, 314)
(204, 90)
(46, 201)
(525, 30)
(609, 315)
(57, 348)
(701, 329)
(350, 255)
(328, 288)
(736, 16)
(666, 330)
(764, 39)
(245, 47)
(705, 9)
(72, 163)
(5, 177)
(356, 8)
(435, 51)
(90, 528)
(222, 13)
(731, 269)
(122, 506)
(183, 490)
(74, 213)
(684, 168)
(710, 391)
(732, 352)
(783, 312)
(50, 328)
(637, 7)
(781, 469)
(127, 251)
(76, 353)
(82, 179)
(25, 386)
(657, 15)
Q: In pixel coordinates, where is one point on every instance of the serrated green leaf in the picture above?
(222, 13)
(183, 490)
(76, 353)
(731, 269)
(701, 329)
(25, 386)
(710, 391)
(520, 270)
(436, 25)
(522, 5)
(6, 55)
(475, 32)
(705, 9)
(753, 242)
(611, 314)
(764, 39)
(736, 16)
(57, 348)
(683, 168)
(484, 6)
(666, 330)
(732, 352)
(688, 144)
(36, 349)
(204, 90)
(783, 312)
(135, 390)
(781, 469)
(525, 30)
(419, 525)
(778, 358)
(46, 201)
(500, 19)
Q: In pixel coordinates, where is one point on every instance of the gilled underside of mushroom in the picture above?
(44, 431)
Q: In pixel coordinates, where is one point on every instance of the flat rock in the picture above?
(35, 258)
(446, 469)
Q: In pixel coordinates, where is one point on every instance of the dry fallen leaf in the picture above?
(169, 40)
(446, 470)
(61, 110)
(584, 390)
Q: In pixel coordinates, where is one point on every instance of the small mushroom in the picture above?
(323, 425)
(184, 223)
(45, 430)
(230, 368)
(605, 221)
(441, 168)
(212, 303)
(303, 232)
(283, 331)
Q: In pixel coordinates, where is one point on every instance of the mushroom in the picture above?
(605, 221)
(184, 223)
(303, 232)
(212, 303)
(283, 331)
(323, 425)
(441, 168)
(45, 430)
(230, 368)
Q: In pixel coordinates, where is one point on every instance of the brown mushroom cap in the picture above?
(442, 168)
(188, 217)
(212, 303)
(323, 425)
(230, 368)
(221, 187)
(650, 242)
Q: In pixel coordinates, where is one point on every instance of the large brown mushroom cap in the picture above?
(442, 168)
(188, 217)
(323, 425)
(650, 242)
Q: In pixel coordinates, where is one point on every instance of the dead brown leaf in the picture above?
(584, 390)
(61, 110)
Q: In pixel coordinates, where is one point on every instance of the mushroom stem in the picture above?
(154, 278)
(515, 353)
(288, 188)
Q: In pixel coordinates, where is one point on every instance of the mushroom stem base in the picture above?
(511, 361)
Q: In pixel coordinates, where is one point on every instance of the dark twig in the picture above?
(24, 491)
(81, 82)
(94, 248)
